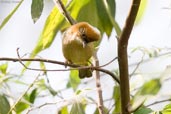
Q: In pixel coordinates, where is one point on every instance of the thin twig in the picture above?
(38, 107)
(63, 10)
(59, 63)
(109, 62)
(19, 99)
(98, 85)
(149, 59)
(75, 67)
(157, 102)
(138, 64)
(65, 64)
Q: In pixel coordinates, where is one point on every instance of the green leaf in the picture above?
(36, 9)
(27, 97)
(90, 17)
(33, 95)
(21, 106)
(143, 110)
(41, 84)
(137, 102)
(151, 87)
(20, 82)
(76, 6)
(105, 22)
(51, 90)
(106, 110)
(117, 98)
(77, 108)
(110, 9)
(10, 15)
(4, 105)
(167, 109)
(43, 67)
(64, 110)
(74, 79)
(141, 11)
(3, 68)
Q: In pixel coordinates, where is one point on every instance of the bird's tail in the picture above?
(85, 73)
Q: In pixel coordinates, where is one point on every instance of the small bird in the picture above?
(78, 45)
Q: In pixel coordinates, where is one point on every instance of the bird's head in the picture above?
(85, 32)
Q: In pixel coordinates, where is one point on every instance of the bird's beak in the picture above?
(84, 44)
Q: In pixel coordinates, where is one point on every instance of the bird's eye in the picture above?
(84, 37)
(83, 34)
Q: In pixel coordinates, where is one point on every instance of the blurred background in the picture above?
(152, 32)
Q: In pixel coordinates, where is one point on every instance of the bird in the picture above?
(78, 45)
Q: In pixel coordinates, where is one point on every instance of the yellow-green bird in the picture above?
(78, 45)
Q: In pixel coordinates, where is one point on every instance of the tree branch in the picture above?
(157, 102)
(98, 85)
(123, 56)
(62, 9)
(60, 63)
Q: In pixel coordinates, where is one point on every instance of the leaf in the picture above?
(64, 110)
(3, 68)
(4, 105)
(167, 109)
(21, 82)
(90, 17)
(74, 79)
(151, 87)
(137, 102)
(10, 15)
(33, 95)
(43, 67)
(143, 110)
(105, 22)
(77, 108)
(141, 11)
(21, 106)
(76, 6)
(106, 110)
(117, 98)
(36, 9)
(41, 84)
(110, 7)
(51, 90)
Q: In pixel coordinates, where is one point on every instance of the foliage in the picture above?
(4, 105)
(36, 9)
(101, 14)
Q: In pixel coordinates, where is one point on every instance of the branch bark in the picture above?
(61, 63)
(123, 56)
(98, 85)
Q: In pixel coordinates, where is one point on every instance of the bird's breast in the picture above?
(75, 52)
